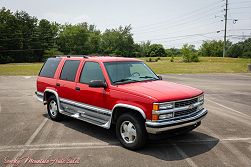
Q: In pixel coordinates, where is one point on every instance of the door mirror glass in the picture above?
(97, 84)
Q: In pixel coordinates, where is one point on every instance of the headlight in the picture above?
(163, 106)
(201, 98)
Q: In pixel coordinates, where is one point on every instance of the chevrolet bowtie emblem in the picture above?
(191, 106)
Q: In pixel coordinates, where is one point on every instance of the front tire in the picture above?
(130, 131)
(52, 108)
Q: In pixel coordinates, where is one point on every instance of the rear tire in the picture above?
(130, 131)
(52, 108)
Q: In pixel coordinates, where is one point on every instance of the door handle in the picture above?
(77, 88)
(57, 84)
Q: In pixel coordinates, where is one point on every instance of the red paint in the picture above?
(139, 94)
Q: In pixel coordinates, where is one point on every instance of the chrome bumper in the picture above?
(157, 127)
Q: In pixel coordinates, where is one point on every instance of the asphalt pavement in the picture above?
(223, 138)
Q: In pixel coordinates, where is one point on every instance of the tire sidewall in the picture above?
(57, 117)
(140, 131)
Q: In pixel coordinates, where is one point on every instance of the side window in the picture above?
(49, 68)
(69, 70)
(91, 71)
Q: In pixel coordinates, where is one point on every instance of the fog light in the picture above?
(155, 117)
(166, 116)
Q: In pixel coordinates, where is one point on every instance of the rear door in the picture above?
(66, 83)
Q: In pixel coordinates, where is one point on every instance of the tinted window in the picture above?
(50, 67)
(69, 70)
(91, 71)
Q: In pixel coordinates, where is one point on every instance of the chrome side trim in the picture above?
(86, 106)
(85, 112)
(130, 107)
(156, 127)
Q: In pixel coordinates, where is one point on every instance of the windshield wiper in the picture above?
(124, 79)
(148, 77)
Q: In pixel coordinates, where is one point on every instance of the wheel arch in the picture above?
(48, 93)
(120, 108)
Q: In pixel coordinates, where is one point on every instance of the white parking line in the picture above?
(235, 151)
(58, 146)
(28, 142)
(107, 145)
(245, 115)
(27, 77)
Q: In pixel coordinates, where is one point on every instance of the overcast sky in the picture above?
(169, 22)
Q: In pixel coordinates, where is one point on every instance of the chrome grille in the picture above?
(185, 112)
(185, 102)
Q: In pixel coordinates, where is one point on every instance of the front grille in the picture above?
(185, 102)
(185, 112)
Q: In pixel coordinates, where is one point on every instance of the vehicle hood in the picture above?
(162, 91)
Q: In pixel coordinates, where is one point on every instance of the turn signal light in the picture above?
(155, 117)
(155, 107)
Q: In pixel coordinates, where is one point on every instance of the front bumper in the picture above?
(157, 127)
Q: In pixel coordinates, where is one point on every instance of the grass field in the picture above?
(206, 65)
(163, 66)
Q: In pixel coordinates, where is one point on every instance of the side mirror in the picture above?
(160, 77)
(97, 84)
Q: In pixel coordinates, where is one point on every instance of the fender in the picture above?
(56, 94)
(130, 107)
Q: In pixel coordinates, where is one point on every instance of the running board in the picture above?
(81, 116)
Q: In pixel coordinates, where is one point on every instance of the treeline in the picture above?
(24, 38)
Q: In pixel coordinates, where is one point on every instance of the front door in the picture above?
(93, 100)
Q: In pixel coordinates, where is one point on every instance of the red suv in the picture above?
(121, 91)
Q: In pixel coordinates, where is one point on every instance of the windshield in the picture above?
(126, 72)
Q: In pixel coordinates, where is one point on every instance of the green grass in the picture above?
(163, 66)
(206, 65)
(20, 68)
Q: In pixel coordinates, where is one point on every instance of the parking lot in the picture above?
(223, 139)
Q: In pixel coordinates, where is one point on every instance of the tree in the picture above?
(118, 42)
(240, 49)
(172, 52)
(18, 37)
(246, 45)
(156, 50)
(143, 48)
(235, 51)
(212, 48)
(189, 54)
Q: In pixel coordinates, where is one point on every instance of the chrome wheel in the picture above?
(53, 108)
(128, 132)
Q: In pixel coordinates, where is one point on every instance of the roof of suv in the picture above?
(101, 58)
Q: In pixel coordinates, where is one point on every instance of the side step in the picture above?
(83, 117)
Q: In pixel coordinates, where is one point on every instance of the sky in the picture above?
(168, 22)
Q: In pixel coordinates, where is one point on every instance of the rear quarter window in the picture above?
(69, 70)
(49, 68)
